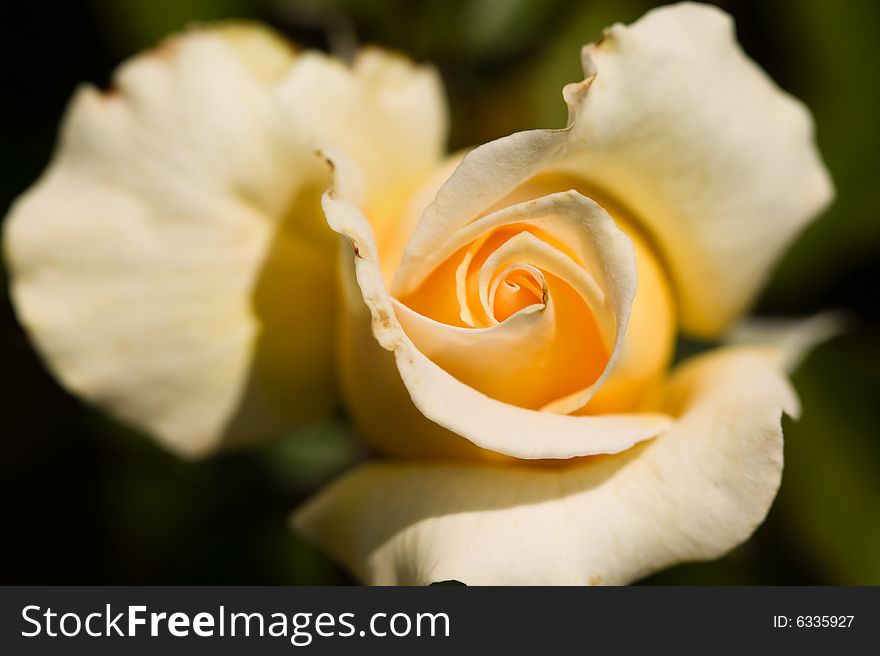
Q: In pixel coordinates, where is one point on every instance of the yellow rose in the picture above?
(508, 334)
(173, 264)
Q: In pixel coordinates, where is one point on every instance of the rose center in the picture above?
(514, 289)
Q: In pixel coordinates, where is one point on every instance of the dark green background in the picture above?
(86, 501)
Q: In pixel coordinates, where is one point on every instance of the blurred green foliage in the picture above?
(107, 506)
(831, 62)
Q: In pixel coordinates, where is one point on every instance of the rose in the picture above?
(172, 267)
(506, 328)
(173, 264)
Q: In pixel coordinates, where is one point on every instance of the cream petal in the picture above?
(172, 264)
(691, 494)
(441, 398)
(389, 114)
(678, 129)
(399, 231)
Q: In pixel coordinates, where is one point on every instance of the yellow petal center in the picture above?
(552, 338)
(513, 290)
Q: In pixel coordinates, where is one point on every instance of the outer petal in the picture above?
(486, 422)
(173, 264)
(387, 115)
(693, 493)
(675, 127)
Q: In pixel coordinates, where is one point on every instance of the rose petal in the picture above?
(386, 416)
(389, 115)
(649, 343)
(678, 129)
(498, 358)
(693, 493)
(173, 264)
